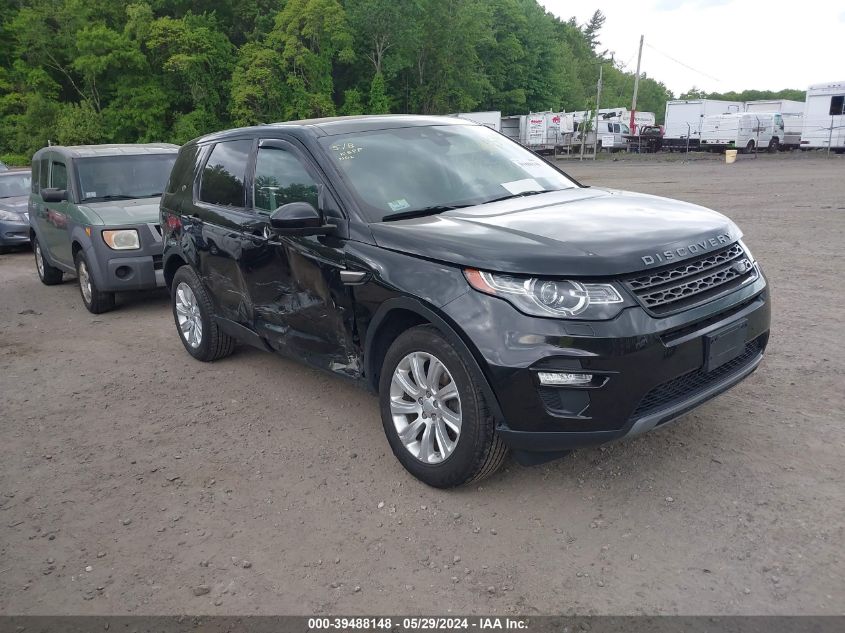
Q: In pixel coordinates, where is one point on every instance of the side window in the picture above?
(616, 128)
(223, 176)
(44, 176)
(837, 105)
(36, 170)
(281, 177)
(58, 175)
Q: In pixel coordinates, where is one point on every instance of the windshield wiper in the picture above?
(419, 213)
(521, 194)
(111, 197)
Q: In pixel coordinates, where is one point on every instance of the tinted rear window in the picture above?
(223, 176)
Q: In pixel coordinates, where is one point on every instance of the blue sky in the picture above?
(723, 44)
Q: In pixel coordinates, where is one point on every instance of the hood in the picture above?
(576, 232)
(15, 204)
(143, 211)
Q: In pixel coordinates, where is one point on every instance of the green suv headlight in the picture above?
(546, 297)
(122, 239)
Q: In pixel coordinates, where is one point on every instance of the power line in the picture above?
(687, 66)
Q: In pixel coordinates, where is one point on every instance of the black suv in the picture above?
(490, 300)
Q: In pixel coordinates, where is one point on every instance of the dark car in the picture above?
(14, 219)
(94, 213)
(491, 301)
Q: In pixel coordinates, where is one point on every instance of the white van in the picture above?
(745, 131)
(608, 135)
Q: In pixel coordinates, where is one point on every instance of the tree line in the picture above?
(94, 71)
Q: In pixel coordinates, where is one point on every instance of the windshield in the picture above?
(396, 172)
(123, 177)
(14, 185)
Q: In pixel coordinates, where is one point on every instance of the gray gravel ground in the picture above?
(136, 480)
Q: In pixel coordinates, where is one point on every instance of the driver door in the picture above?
(300, 303)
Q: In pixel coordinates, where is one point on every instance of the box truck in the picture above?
(682, 126)
(824, 117)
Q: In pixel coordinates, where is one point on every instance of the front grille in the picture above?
(684, 387)
(693, 282)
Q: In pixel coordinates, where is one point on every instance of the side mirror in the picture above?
(52, 194)
(299, 218)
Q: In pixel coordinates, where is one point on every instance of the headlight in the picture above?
(8, 216)
(122, 240)
(546, 297)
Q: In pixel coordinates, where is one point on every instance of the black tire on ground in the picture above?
(49, 275)
(774, 145)
(96, 301)
(749, 149)
(479, 451)
(214, 343)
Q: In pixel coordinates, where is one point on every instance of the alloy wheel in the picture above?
(85, 281)
(39, 262)
(426, 407)
(188, 314)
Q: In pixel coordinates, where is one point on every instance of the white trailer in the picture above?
(745, 131)
(784, 106)
(824, 117)
(682, 124)
(492, 118)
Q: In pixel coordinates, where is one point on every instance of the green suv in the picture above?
(93, 212)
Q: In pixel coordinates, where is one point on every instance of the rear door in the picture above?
(300, 303)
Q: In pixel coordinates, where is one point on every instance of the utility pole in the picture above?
(636, 87)
(598, 100)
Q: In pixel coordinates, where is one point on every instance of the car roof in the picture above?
(115, 149)
(329, 126)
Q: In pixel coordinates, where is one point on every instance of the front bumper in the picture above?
(648, 370)
(13, 233)
(140, 269)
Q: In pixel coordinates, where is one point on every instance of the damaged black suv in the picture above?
(491, 301)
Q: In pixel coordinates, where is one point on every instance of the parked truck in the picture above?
(745, 131)
(684, 117)
(824, 117)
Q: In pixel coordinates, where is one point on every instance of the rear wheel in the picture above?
(749, 149)
(49, 275)
(193, 313)
(95, 300)
(434, 413)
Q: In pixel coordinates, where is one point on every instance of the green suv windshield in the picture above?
(414, 170)
(123, 177)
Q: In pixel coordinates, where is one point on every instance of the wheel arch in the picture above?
(398, 315)
(173, 263)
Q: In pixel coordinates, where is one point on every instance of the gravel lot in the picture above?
(136, 480)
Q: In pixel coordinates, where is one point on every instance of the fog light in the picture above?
(563, 379)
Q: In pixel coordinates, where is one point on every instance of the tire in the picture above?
(49, 275)
(774, 145)
(191, 303)
(476, 450)
(749, 149)
(95, 300)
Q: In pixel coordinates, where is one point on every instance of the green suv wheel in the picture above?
(49, 275)
(95, 300)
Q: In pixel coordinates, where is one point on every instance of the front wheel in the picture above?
(774, 146)
(193, 313)
(434, 413)
(95, 300)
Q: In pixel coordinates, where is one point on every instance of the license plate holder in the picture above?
(725, 344)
